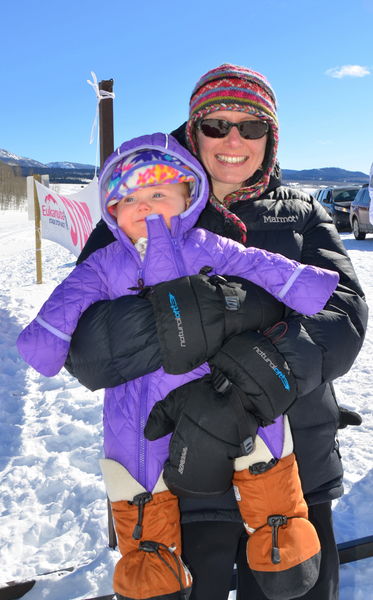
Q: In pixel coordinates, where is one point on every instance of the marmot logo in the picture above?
(291, 219)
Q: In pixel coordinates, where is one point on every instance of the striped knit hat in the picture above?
(230, 87)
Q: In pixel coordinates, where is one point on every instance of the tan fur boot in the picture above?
(148, 531)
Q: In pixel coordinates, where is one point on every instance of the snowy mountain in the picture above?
(18, 161)
(68, 165)
(325, 175)
(21, 161)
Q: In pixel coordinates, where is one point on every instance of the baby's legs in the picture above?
(148, 531)
(283, 549)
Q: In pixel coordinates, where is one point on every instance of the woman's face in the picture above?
(230, 160)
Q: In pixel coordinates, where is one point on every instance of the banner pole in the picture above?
(106, 129)
(106, 122)
(39, 277)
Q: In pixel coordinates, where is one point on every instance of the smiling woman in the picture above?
(248, 203)
(243, 157)
(233, 158)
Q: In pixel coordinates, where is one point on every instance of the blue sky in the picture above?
(318, 55)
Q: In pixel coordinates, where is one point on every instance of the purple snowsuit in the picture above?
(110, 272)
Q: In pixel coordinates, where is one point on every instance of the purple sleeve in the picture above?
(45, 342)
(41, 349)
(304, 288)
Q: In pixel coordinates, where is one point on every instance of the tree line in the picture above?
(13, 187)
(13, 181)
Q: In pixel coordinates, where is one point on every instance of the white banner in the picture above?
(68, 220)
(371, 194)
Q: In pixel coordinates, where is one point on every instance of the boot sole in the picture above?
(184, 595)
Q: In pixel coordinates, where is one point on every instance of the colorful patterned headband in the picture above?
(143, 169)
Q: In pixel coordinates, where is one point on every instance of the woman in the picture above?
(233, 129)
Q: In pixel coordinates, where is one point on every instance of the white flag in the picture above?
(371, 195)
(69, 220)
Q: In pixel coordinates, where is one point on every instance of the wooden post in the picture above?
(39, 278)
(106, 122)
(106, 129)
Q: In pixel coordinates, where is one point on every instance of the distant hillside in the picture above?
(59, 172)
(58, 175)
(70, 172)
(325, 176)
(21, 161)
(18, 161)
(68, 165)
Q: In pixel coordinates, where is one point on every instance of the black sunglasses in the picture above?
(219, 128)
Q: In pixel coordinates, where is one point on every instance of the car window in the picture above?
(358, 198)
(344, 195)
(365, 198)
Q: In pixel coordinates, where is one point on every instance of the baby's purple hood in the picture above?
(165, 143)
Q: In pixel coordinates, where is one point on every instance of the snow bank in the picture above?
(52, 502)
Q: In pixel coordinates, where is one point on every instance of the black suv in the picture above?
(336, 202)
(359, 214)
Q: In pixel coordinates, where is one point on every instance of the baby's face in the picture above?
(167, 200)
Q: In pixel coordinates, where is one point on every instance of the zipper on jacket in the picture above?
(143, 442)
(142, 422)
(178, 258)
(140, 287)
(140, 279)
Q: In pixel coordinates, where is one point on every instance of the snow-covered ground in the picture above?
(52, 500)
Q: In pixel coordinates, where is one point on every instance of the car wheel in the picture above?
(359, 235)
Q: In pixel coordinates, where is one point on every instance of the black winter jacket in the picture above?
(318, 349)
